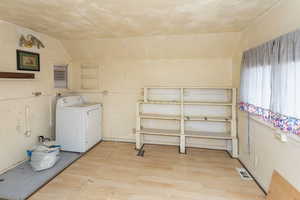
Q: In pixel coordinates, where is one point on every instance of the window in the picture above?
(61, 76)
(269, 80)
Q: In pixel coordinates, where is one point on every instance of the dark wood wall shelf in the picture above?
(16, 75)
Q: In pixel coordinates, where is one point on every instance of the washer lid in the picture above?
(69, 101)
(86, 106)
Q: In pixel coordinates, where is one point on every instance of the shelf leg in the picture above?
(182, 144)
(234, 143)
(145, 94)
(234, 151)
(182, 136)
(138, 135)
(139, 141)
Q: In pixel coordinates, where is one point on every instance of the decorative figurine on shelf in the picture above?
(30, 41)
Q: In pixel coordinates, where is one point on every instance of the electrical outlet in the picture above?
(281, 136)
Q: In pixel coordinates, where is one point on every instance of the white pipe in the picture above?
(24, 97)
(27, 121)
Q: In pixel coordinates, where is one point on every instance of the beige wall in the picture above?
(16, 94)
(129, 64)
(268, 153)
(209, 59)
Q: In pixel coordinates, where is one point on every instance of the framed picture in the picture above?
(28, 61)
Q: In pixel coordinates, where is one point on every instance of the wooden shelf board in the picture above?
(161, 102)
(17, 75)
(162, 87)
(186, 118)
(217, 88)
(209, 135)
(189, 103)
(196, 134)
(159, 116)
(207, 103)
(187, 87)
(207, 118)
(163, 132)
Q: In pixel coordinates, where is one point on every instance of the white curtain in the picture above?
(256, 77)
(286, 75)
(271, 75)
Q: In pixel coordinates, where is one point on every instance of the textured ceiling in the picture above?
(78, 19)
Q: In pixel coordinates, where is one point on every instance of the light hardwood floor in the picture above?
(112, 171)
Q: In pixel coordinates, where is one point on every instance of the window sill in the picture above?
(276, 131)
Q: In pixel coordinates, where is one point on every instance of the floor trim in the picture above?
(155, 142)
(244, 166)
(12, 166)
(229, 154)
(257, 183)
(108, 139)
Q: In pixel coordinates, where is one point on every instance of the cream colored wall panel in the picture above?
(119, 115)
(280, 20)
(129, 64)
(268, 153)
(206, 143)
(171, 72)
(132, 74)
(214, 45)
(16, 94)
(123, 80)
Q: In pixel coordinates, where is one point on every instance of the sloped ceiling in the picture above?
(88, 19)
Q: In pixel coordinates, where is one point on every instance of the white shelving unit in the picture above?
(188, 112)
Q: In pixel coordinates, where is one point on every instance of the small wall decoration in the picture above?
(28, 61)
(30, 41)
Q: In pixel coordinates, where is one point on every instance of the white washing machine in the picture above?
(78, 124)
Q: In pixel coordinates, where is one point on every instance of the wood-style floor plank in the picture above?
(112, 171)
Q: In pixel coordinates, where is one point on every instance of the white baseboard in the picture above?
(171, 143)
(109, 139)
(12, 166)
